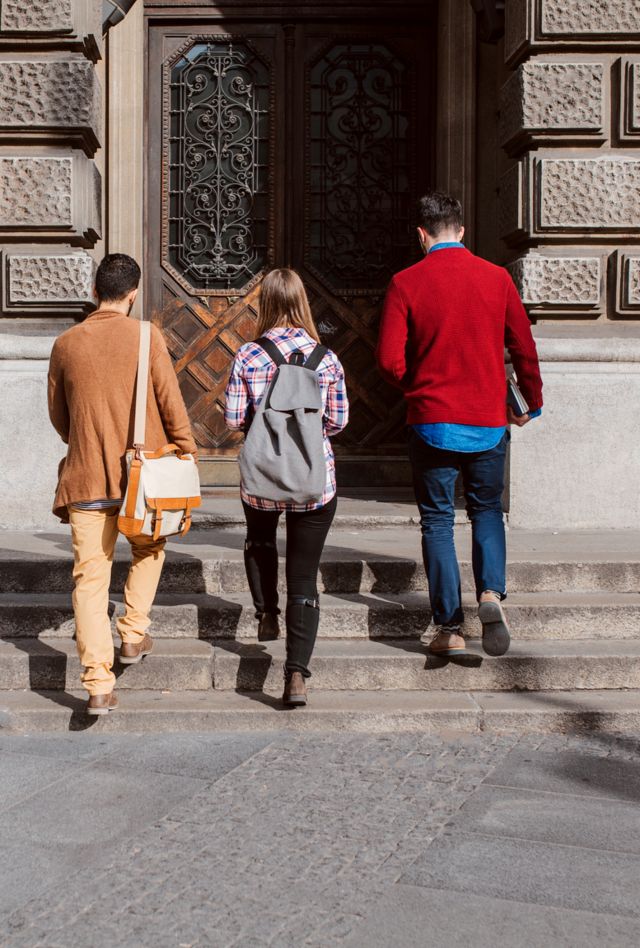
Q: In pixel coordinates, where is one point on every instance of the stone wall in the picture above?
(570, 121)
(51, 130)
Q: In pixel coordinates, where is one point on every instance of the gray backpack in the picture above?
(283, 454)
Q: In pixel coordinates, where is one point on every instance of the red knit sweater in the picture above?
(445, 324)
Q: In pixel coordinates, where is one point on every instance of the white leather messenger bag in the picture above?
(162, 486)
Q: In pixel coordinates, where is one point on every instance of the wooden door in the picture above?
(284, 144)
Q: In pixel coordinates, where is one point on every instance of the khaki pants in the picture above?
(93, 535)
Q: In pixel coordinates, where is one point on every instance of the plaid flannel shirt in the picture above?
(251, 374)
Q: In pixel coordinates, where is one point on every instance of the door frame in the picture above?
(127, 140)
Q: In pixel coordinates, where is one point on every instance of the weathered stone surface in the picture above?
(36, 16)
(561, 17)
(588, 193)
(516, 26)
(532, 23)
(552, 283)
(51, 194)
(630, 100)
(510, 206)
(44, 94)
(627, 268)
(553, 98)
(36, 279)
(35, 192)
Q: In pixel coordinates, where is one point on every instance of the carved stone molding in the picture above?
(561, 285)
(74, 24)
(562, 196)
(46, 282)
(535, 24)
(59, 100)
(629, 128)
(51, 197)
(550, 100)
(627, 283)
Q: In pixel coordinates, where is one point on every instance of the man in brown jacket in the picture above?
(92, 377)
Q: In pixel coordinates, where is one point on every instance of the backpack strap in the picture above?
(271, 349)
(316, 357)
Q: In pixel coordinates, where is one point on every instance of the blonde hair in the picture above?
(284, 302)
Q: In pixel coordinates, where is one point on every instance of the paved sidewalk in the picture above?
(319, 839)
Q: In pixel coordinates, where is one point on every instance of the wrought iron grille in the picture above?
(218, 165)
(359, 172)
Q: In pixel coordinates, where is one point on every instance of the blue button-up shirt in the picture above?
(464, 438)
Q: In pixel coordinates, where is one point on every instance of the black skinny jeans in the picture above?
(306, 535)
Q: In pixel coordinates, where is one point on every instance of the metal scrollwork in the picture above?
(359, 185)
(218, 165)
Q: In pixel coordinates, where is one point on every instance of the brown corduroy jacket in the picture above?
(92, 376)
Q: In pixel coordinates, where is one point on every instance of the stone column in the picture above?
(51, 130)
(570, 218)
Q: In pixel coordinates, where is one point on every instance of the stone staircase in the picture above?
(574, 608)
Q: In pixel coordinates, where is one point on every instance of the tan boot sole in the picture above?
(99, 712)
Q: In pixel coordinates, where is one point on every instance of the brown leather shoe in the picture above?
(447, 643)
(131, 654)
(295, 691)
(102, 704)
(268, 627)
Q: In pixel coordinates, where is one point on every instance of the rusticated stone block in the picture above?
(630, 100)
(50, 278)
(42, 95)
(551, 99)
(77, 22)
(562, 17)
(534, 23)
(627, 268)
(554, 285)
(561, 195)
(36, 16)
(587, 194)
(35, 192)
(51, 196)
(47, 282)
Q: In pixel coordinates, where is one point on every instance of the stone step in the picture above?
(338, 665)
(51, 664)
(340, 572)
(404, 665)
(377, 711)
(562, 616)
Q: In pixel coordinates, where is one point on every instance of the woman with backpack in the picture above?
(287, 393)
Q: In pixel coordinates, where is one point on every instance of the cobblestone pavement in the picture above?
(250, 840)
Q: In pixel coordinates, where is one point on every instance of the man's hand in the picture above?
(519, 420)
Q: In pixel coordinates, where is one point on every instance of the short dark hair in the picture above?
(438, 211)
(116, 276)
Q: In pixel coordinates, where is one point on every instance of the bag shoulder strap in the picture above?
(142, 385)
(316, 357)
(271, 349)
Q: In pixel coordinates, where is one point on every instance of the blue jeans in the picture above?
(434, 479)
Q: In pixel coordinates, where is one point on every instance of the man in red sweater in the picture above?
(445, 325)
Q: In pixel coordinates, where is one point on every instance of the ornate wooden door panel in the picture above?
(212, 203)
(283, 145)
(363, 140)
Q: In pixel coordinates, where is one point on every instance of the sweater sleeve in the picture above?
(393, 335)
(522, 348)
(168, 395)
(58, 408)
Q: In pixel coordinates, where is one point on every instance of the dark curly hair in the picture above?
(438, 211)
(116, 276)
